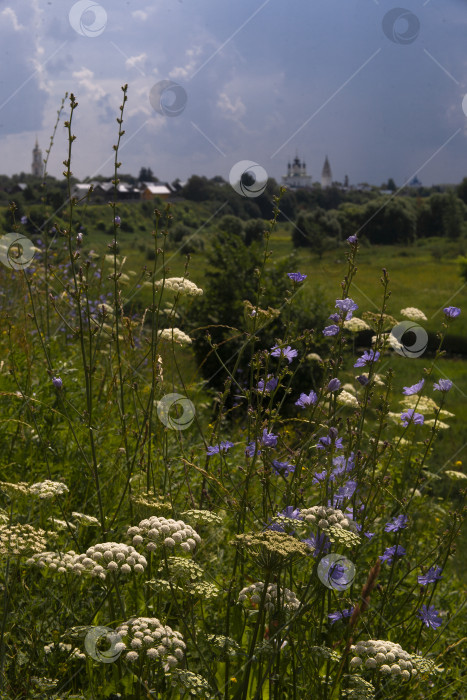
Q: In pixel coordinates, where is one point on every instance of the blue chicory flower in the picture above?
(429, 616)
(296, 276)
(452, 311)
(367, 357)
(396, 524)
(331, 330)
(433, 574)
(390, 552)
(414, 389)
(443, 385)
(306, 399)
(334, 384)
(287, 352)
(411, 416)
(347, 306)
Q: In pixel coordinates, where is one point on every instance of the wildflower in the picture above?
(180, 285)
(348, 306)
(319, 476)
(269, 439)
(157, 531)
(455, 476)
(79, 238)
(331, 330)
(398, 523)
(253, 594)
(251, 448)
(414, 389)
(287, 352)
(452, 311)
(355, 325)
(413, 314)
(314, 356)
(21, 540)
(24, 220)
(153, 637)
(176, 334)
(352, 239)
(443, 385)
(57, 382)
(118, 220)
(345, 398)
(327, 517)
(319, 543)
(334, 317)
(48, 489)
(270, 384)
(429, 616)
(282, 467)
(433, 574)
(342, 465)
(411, 416)
(329, 440)
(85, 519)
(345, 491)
(222, 447)
(378, 654)
(362, 379)
(334, 384)
(368, 356)
(296, 276)
(390, 552)
(339, 615)
(306, 399)
(291, 512)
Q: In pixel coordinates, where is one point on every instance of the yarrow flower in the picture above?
(390, 552)
(157, 531)
(443, 385)
(452, 311)
(306, 399)
(147, 638)
(385, 657)
(433, 574)
(355, 325)
(176, 334)
(368, 356)
(396, 524)
(252, 594)
(221, 447)
(411, 416)
(287, 352)
(429, 616)
(48, 489)
(296, 276)
(346, 306)
(414, 389)
(334, 384)
(331, 330)
(270, 384)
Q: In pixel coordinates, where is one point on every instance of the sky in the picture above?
(376, 87)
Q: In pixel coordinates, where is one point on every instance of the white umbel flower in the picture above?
(345, 398)
(180, 285)
(252, 594)
(156, 531)
(48, 489)
(176, 334)
(413, 314)
(355, 325)
(148, 637)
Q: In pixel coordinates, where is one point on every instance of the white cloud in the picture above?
(136, 61)
(233, 109)
(9, 13)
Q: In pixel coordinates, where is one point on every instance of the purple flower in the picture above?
(269, 439)
(329, 440)
(296, 276)
(24, 220)
(396, 524)
(334, 317)
(118, 220)
(411, 416)
(452, 311)
(390, 552)
(319, 476)
(433, 574)
(331, 330)
(319, 543)
(414, 389)
(282, 467)
(291, 512)
(334, 385)
(270, 384)
(306, 399)
(352, 239)
(362, 379)
(250, 449)
(348, 306)
(222, 447)
(443, 385)
(342, 464)
(57, 382)
(429, 616)
(287, 352)
(368, 356)
(345, 491)
(339, 615)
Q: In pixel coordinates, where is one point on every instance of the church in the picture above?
(297, 177)
(37, 167)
